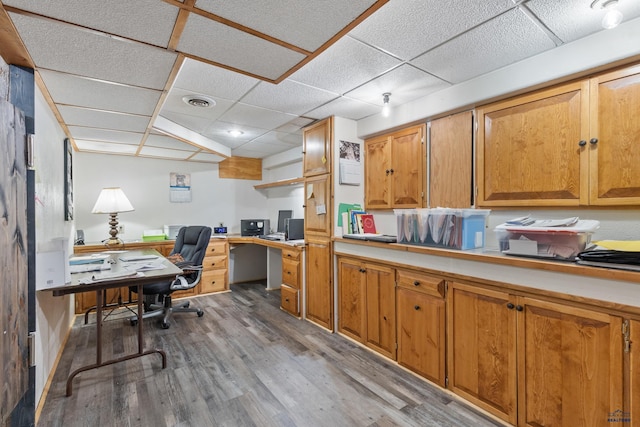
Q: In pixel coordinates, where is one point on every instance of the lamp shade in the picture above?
(112, 200)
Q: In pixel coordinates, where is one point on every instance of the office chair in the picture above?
(190, 248)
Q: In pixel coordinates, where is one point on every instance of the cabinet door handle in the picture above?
(593, 141)
(582, 143)
(519, 308)
(416, 283)
(286, 299)
(391, 170)
(510, 306)
(416, 307)
(387, 172)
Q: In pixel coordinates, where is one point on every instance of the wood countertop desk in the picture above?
(118, 266)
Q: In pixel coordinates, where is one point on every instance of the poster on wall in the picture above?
(180, 187)
(349, 163)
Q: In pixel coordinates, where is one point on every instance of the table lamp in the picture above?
(112, 200)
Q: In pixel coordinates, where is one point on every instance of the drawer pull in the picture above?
(286, 299)
(519, 308)
(416, 307)
(416, 283)
(510, 306)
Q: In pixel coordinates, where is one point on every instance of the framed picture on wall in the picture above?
(68, 180)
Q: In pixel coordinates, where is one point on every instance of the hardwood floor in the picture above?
(245, 363)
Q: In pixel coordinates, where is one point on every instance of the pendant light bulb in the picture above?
(386, 108)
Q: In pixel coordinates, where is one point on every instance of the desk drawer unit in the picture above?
(214, 267)
(216, 262)
(289, 300)
(213, 281)
(291, 273)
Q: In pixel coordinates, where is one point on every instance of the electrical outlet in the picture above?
(120, 229)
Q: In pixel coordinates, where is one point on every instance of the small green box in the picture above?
(154, 238)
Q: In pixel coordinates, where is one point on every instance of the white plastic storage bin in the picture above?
(546, 242)
(171, 231)
(442, 227)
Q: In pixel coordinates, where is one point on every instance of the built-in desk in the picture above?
(284, 268)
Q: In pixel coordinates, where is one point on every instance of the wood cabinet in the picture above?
(290, 289)
(569, 145)
(633, 348)
(421, 324)
(318, 206)
(367, 304)
(532, 362)
(450, 179)
(319, 281)
(214, 274)
(394, 169)
(317, 148)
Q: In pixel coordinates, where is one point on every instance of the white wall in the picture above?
(145, 181)
(54, 315)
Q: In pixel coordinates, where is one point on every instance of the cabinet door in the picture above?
(351, 298)
(529, 150)
(319, 277)
(450, 179)
(317, 206)
(377, 166)
(570, 365)
(615, 124)
(634, 371)
(481, 332)
(380, 309)
(407, 167)
(317, 148)
(421, 334)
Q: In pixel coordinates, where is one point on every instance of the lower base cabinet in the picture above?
(319, 281)
(532, 362)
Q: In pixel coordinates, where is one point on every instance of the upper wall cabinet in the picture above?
(565, 146)
(451, 161)
(317, 148)
(394, 169)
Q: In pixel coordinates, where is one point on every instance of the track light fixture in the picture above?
(386, 108)
(613, 17)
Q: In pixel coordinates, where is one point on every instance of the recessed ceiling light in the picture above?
(613, 17)
(198, 101)
(235, 133)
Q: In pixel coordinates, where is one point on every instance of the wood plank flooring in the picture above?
(245, 363)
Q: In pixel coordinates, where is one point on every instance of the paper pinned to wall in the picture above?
(179, 187)
(349, 172)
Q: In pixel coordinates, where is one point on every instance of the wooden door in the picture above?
(351, 298)
(450, 179)
(317, 206)
(408, 159)
(481, 332)
(14, 351)
(377, 172)
(319, 282)
(380, 309)
(615, 132)
(530, 151)
(570, 365)
(317, 148)
(633, 374)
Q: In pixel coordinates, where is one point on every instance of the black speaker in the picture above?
(294, 229)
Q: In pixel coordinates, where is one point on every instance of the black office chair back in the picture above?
(191, 243)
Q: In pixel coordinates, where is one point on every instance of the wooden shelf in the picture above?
(281, 183)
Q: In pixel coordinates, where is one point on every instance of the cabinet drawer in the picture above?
(213, 281)
(293, 254)
(217, 248)
(289, 300)
(421, 282)
(290, 272)
(214, 262)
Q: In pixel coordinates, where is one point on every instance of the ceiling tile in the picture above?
(504, 40)
(304, 24)
(105, 135)
(104, 147)
(408, 28)
(574, 19)
(345, 107)
(83, 92)
(254, 149)
(405, 84)
(150, 21)
(164, 141)
(69, 49)
(287, 97)
(206, 79)
(345, 65)
(219, 131)
(281, 139)
(256, 117)
(235, 48)
(103, 119)
(174, 103)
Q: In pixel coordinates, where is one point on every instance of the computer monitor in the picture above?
(282, 216)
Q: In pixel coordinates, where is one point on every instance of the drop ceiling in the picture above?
(117, 74)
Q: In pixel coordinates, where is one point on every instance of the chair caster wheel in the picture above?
(186, 304)
(133, 322)
(165, 325)
(200, 313)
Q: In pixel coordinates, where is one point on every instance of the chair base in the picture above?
(166, 310)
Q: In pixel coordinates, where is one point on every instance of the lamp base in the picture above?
(113, 242)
